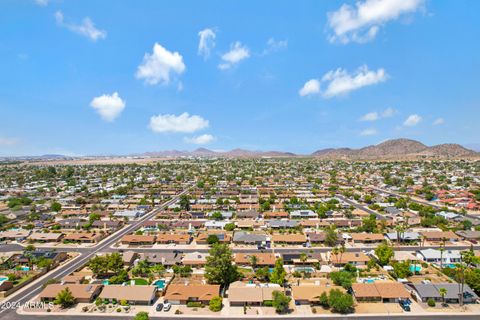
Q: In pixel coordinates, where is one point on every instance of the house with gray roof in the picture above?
(243, 237)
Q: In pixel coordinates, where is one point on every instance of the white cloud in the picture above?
(368, 132)
(438, 121)
(275, 45)
(182, 123)
(389, 112)
(309, 88)
(237, 53)
(109, 107)
(206, 42)
(374, 116)
(371, 116)
(160, 65)
(42, 3)
(340, 82)
(412, 120)
(86, 28)
(362, 22)
(6, 141)
(202, 139)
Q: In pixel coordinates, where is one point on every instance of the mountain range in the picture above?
(396, 148)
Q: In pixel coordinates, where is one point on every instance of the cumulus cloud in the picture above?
(206, 43)
(412, 120)
(438, 121)
(374, 116)
(275, 45)
(158, 67)
(86, 28)
(368, 132)
(310, 87)
(109, 107)
(237, 53)
(361, 23)
(181, 123)
(371, 116)
(340, 82)
(6, 141)
(201, 139)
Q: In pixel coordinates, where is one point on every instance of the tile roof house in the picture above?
(242, 294)
(194, 259)
(380, 291)
(133, 239)
(45, 237)
(82, 237)
(435, 256)
(177, 238)
(165, 258)
(144, 295)
(367, 237)
(15, 235)
(83, 293)
(309, 294)
(263, 259)
(431, 291)
(242, 237)
(293, 238)
(353, 258)
(181, 294)
(440, 235)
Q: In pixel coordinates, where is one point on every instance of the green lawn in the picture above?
(140, 282)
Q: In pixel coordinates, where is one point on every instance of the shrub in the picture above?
(194, 304)
(268, 303)
(431, 302)
(119, 310)
(323, 300)
(124, 303)
(215, 304)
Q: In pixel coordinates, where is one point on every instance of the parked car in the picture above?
(167, 306)
(159, 307)
(405, 304)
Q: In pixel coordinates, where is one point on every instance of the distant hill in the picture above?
(397, 148)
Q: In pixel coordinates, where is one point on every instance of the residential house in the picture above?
(183, 293)
(134, 295)
(82, 293)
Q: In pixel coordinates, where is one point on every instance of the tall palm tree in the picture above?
(442, 249)
(342, 250)
(443, 293)
(253, 261)
(335, 252)
(303, 257)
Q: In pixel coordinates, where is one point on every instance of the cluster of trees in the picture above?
(14, 203)
(345, 277)
(101, 265)
(337, 300)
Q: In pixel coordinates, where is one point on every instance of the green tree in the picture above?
(340, 302)
(342, 278)
(215, 304)
(212, 239)
(280, 301)
(323, 300)
(230, 226)
(56, 207)
(65, 298)
(219, 268)
(184, 202)
(401, 270)
(384, 253)
(443, 293)
(278, 274)
(369, 224)
(330, 237)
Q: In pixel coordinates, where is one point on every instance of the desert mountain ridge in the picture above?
(387, 149)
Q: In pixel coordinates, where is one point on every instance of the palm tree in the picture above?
(442, 249)
(253, 260)
(443, 293)
(335, 252)
(342, 250)
(303, 257)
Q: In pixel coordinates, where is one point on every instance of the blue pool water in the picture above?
(450, 265)
(160, 284)
(105, 282)
(415, 268)
(25, 268)
(369, 281)
(305, 269)
(3, 279)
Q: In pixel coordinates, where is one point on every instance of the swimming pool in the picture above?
(3, 279)
(305, 269)
(160, 284)
(415, 268)
(105, 282)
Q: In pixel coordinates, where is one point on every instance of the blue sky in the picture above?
(96, 77)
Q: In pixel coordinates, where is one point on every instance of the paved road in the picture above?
(441, 316)
(79, 262)
(361, 207)
(424, 202)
